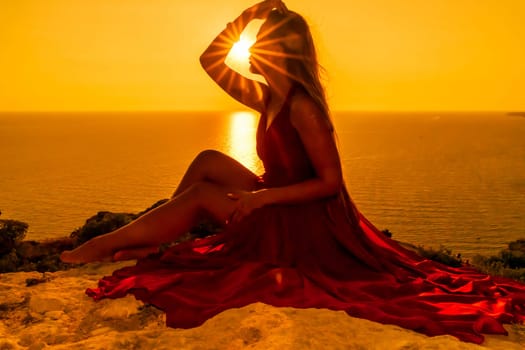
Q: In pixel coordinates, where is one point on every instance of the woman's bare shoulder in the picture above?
(305, 113)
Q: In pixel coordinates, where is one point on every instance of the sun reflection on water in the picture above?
(243, 128)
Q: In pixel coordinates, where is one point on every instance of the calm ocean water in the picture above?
(431, 178)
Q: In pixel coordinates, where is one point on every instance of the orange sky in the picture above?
(143, 54)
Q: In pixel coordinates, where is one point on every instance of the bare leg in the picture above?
(211, 166)
(202, 193)
(216, 167)
(163, 224)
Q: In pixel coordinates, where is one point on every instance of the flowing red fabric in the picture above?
(319, 254)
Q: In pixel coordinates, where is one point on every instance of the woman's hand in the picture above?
(246, 203)
(262, 9)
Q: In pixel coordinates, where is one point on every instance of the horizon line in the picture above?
(101, 111)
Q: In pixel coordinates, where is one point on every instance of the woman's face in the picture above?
(267, 52)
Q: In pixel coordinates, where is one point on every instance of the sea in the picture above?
(431, 178)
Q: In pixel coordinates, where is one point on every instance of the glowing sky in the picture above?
(143, 54)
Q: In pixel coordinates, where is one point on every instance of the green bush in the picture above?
(103, 222)
(11, 232)
(155, 205)
(442, 255)
(509, 262)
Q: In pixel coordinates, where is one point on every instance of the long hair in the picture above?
(302, 64)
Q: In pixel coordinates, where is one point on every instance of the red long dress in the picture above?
(319, 254)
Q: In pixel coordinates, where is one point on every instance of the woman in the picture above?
(291, 237)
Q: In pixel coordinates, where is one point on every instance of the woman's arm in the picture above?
(318, 139)
(249, 92)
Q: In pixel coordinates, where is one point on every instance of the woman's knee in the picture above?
(209, 155)
(202, 168)
(205, 161)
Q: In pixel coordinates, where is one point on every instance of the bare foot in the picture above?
(134, 253)
(88, 252)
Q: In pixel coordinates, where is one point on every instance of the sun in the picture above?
(239, 54)
(240, 51)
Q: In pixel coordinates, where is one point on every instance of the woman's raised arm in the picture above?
(247, 91)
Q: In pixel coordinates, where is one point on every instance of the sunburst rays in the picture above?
(265, 54)
(240, 50)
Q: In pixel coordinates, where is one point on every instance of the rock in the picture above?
(387, 233)
(119, 308)
(7, 345)
(100, 331)
(42, 304)
(250, 335)
(37, 346)
(256, 327)
(54, 315)
(9, 262)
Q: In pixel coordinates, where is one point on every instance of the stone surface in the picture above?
(58, 315)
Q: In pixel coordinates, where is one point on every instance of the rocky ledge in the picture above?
(54, 313)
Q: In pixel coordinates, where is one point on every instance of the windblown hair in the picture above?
(302, 63)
